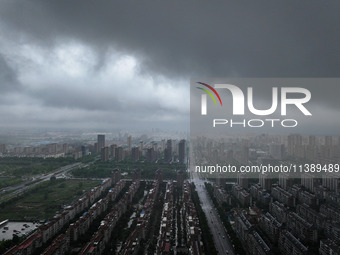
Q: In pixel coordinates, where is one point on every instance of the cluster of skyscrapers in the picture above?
(150, 151)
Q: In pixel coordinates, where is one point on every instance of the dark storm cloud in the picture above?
(75, 44)
(8, 77)
(239, 38)
(86, 100)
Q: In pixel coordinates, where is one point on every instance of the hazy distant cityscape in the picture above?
(124, 194)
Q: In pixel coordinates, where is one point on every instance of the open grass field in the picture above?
(43, 201)
(5, 182)
(23, 167)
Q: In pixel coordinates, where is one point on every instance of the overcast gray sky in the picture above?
(108, 64)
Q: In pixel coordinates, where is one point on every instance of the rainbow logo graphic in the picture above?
(209, 93)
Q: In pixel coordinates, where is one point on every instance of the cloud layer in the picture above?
(90, 64)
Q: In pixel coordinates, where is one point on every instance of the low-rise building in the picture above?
(283, 196)
(301, 228)
(269, 224)
(329, 247)
(289, 244)
(279, 211)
